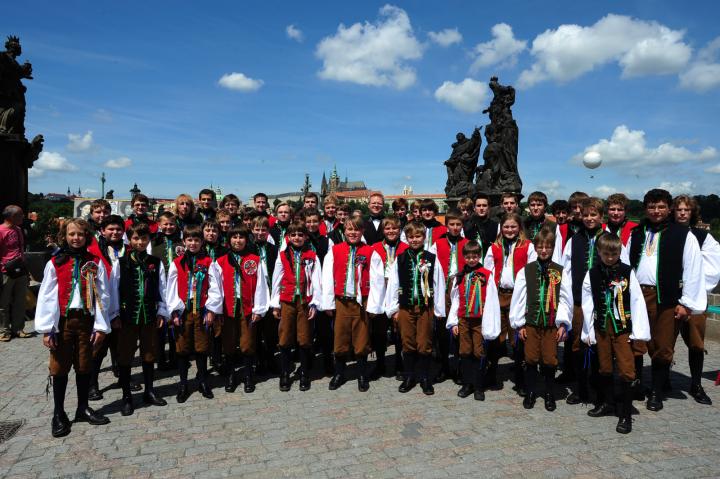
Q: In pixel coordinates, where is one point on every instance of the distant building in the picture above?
(335, 186)
(407, 193)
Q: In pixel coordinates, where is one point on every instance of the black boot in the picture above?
(580, 395)
(605, 403)
(94, 393)
(549, 373)
(305, 368)
(492, 358)
(480, 368)
(128, 408)
(285, 365)
(338, 378)
(568, 368)
(696, 358)
(519, 366)
(468, 376)
(60, 421)
(655, 399)
(399, 368)
(379, 370)
(149, 397)
(204, 387)
(249, 378)
(638, 391)
(84, 412)
(183, 366)
(531, 374)
(624, 425)
(423, 371)
(409, 381)
(230, 376)
(362, 365)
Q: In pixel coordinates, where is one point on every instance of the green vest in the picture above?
(533, 308)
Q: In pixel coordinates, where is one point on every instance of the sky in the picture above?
(250, 96)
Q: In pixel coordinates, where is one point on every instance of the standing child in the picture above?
(140, 204)
(278, 231)
(614, 315)
(433, 228)
(232, 204)
(540, 311)
(194, 296)
(267, 337)
(337, 235)
(400, 210)
(329, 221)
(185, 213)
(207, 201)
(474, 318)
(296, 298)
(211, 239)
(71, 314)
(618, 224)
(225, 222)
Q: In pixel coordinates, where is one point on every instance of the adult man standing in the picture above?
(14, 275)
(373, 229)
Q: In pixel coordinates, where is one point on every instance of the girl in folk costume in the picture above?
(295, 299)
(540, 311)
(346, 286)
(474, 318)
(72, 314)
(506, 257)
(381, 262)
(194, 296)
(245, 302)
(278, 231)
(614, 315)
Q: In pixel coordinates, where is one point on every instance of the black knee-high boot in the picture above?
(60, 422)
(423, 372)
(94, 393)
(696, 359)
(183, 367)
(655, 399)
(638, 390)
(624, 425)
(127, 402)
(149, 396)
(201, 361)
(549, 374)
(492, 359)
(409, 380)
(338, 378)
(580, 395)
(519, 365)
(285, 368)
(531, 374)
(229, 370)
(480, 367)
(306, 356)
(605, 402)
(84, 412)
(467, 366)
(362, 365)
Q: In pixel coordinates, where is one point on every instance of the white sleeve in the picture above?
(102, 302)
(489, 262)
(214, 300)
(276, 282)
(392, 304)
(377, 284)
(565, 304)
(439, 291)
(638, 311)
(317, 286)
(566, 262)
(711, 262)
(452, 318)
(625, 254)
(113, 308)
(588, 306)
(270, 239)
(262, 293)
(174, 302)
(532, 254)
(557, 249)
(694, 295)
(47, 311)
(162, 286)
(518, 302)
(328, 283)
(433, 249)
(491, 312)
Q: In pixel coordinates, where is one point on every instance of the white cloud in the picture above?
(713, 169)
(552, 189)
(678, 187)
(640, 47)
(80, 143)
(704, 72)
(240, 82)
(605, 190)
(446, 37)
(294, 33)
(469, 95)
(122, 162)
(503, 49)
(50, 161)
(375, 54)
(628, 148)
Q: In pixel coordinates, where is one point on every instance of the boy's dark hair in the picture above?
(692, 204)
(399, 203)
(240, 230)
(141, 198)
(507, 194)
(560, 205)
(481, 196)
(261, 222)
(112, 220)
(222, 212)
(207, 191)
(610, 243)
(617, 199)
(230, 198)
(592, 203)
(307, 212)
(471, 247)
(413, 228)
(311, 195)
(62, 233)
(167, 214)
(250, 214)
(576, 197)
(259, 195)
(193, 231)
(538, 196)
(546, 235)
(140, 229)
(466, 203)
(100, 203)
(428, 204)
(656, 195)
(345, 208)
(453, 214)
(210, 223)
(297, 227)
(390, 219)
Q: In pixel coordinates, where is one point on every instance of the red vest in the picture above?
(465, 309)
(324, 228)
(287, 283)
(362, 258)
(443, 254)
(248, 267)
(379, 247)
(64, 274)
(624, 231)
(564, 234)
(520, 258)
(437, 232)
(182, 280)
(151, 224)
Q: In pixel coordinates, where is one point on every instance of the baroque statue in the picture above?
(462, 164)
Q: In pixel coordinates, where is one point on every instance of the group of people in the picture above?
(244, 288)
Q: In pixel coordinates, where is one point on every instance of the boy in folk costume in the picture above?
(194, 297)
(506, 257)
(416, 290)
(99, 210)
(140, 279)
(207, 201)
(448, 250)
(400, 210)
(474, 318)
(140, 204)
(267, 337)
(245, 302)
(561, 212)
(540, 310)
(225, 222)
(434, 230)
(212, 245)
(337, 235)
(231, 203)
(185, 213)
(278, 231)
(618, 224)
(668, 264)
(686, 213)
(72, 314)
(384, 254)
(329, 220)
(466, 208)
(346, 286)
(537, 205)
(480, 227)
(296, 299)
(614, 315)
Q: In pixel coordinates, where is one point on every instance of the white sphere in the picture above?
(592, 160)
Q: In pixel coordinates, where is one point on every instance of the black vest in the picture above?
(130, 290)
(319, 244)
(405, 277)
(337, 235)
(670, 264)
(700, 234)
(579, 262)
(482, 231)
(371, 234)
(599, 285)
(533, 299)
(271, 252)
(533, 226)
(159, 248)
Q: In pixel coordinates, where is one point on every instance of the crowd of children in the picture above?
(252, 293)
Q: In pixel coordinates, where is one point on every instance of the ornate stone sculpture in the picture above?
(462, 164)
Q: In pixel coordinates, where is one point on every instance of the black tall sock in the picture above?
(148, 376)
(696, 359)
(59, 384)
(201, 363)
(183, 367)
(549, 374)
(409, 360)
(362, 365)
(531, 374)
(285, 360)
(82, 381)
(124, 379)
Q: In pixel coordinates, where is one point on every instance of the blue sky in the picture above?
(134, 89)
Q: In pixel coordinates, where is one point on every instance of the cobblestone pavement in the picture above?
(345, 433)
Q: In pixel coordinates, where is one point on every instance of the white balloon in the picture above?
(592, 160)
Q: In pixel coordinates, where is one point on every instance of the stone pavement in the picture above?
(345, 433)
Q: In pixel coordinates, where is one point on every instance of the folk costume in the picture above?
(482, 230)
(532, 227)
(267, 328)
(323, 337)
(621, 230)
(167, 248)
(134, 219)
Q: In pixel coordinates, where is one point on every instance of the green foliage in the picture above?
(46, 224)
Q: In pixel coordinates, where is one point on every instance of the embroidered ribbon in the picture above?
(389, 257)
(618, 308)
(473, 294)
(350, 272)
(551, 300)
(297, 266)
(237, 286)
(88, 274)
